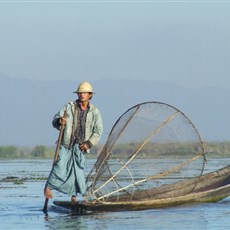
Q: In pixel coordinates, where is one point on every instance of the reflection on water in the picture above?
(21, 206)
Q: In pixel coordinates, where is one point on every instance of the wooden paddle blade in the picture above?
(45, 207)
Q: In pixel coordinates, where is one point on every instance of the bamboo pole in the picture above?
(55, 158)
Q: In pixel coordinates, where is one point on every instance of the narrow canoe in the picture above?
(210, 187)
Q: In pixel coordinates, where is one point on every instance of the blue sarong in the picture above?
(67, 175)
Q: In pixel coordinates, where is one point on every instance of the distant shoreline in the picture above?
(217, 149)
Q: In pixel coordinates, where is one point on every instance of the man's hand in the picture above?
(62, 120)
(84, 146)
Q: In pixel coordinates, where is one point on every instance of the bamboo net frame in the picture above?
(175, 151)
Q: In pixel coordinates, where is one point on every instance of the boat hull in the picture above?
(211, 187)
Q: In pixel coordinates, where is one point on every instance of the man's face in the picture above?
(83, 97)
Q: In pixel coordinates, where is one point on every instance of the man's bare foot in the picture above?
(48, 193)
(73, 199)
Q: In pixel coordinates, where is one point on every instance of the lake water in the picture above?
(21, 205)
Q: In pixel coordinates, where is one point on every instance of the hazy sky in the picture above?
(184, 42)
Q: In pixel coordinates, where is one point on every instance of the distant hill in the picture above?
(28, 106)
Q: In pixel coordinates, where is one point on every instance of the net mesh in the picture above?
(151, 148)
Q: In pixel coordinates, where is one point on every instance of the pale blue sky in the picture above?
(184, 42)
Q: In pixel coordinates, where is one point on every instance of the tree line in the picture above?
(38, 151)
(47, 152)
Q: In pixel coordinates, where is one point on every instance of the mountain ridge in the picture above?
(28, 106)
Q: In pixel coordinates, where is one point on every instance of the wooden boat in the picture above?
(210, 187)
(174, 151)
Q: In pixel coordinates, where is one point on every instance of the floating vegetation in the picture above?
(17, 180)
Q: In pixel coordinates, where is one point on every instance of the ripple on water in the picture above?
(21, 208)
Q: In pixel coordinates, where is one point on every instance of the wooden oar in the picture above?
(55, 158)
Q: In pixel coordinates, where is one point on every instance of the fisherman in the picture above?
(83, 129)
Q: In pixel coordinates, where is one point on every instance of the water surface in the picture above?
(21, 202)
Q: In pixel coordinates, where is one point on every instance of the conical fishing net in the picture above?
(150, 151)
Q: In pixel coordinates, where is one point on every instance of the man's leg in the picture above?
(47, 192)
